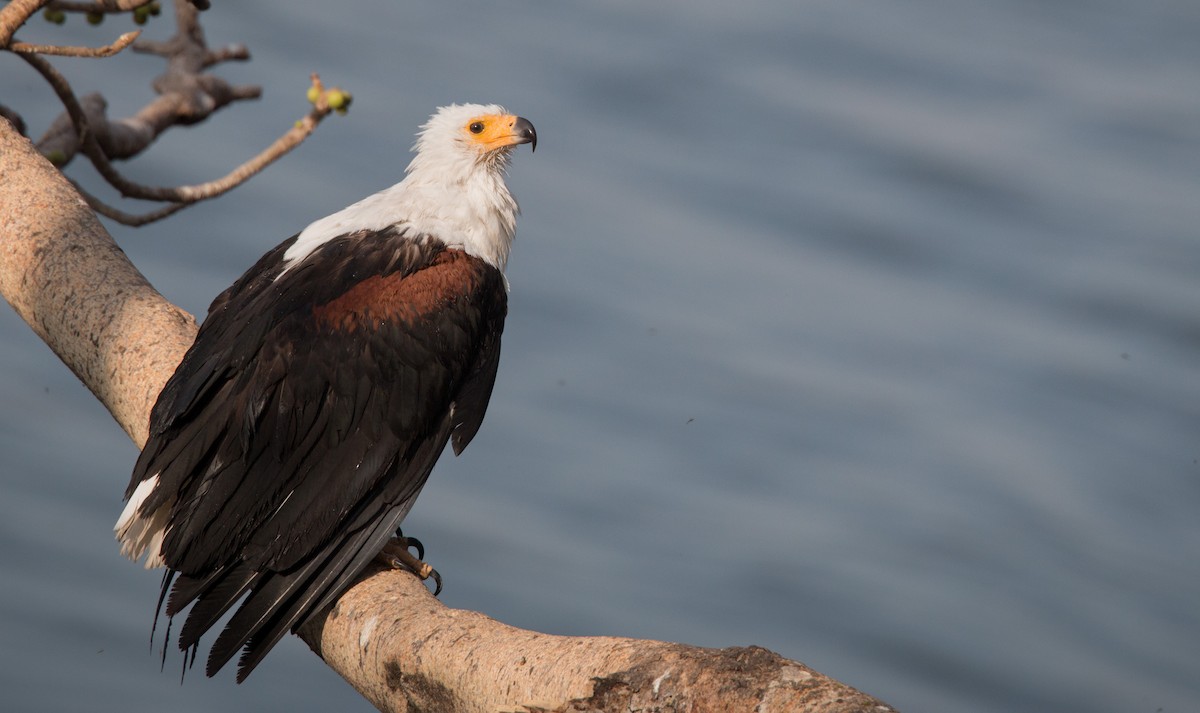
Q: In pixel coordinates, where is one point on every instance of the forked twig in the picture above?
(186, 96)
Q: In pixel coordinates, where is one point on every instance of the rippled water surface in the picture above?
(868, 332)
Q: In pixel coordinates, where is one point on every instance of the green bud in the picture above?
(338, 99)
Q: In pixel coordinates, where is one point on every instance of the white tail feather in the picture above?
(143, 534)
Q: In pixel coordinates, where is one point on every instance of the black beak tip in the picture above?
(527, 133)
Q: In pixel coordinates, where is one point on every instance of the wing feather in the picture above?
(303, 423)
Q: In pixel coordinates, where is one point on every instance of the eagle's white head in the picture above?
(454, 190)
(464, 139)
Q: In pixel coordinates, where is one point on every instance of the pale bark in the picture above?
(62, 272)
(387, 636)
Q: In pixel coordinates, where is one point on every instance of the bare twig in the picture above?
(188, 34)
(128, 218)
(302, 129)
(71, 51)
(228, 53)
(187, 195)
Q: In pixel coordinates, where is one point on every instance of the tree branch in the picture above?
(71, 51)
(124, 218)
(17, 12)
(406, 651)
(13, 15)
(396, 644)
(186, 95)
(64, 275)
(93, 105)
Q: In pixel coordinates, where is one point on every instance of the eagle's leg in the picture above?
(395, 554)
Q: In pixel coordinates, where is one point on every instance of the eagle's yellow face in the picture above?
(491, 132)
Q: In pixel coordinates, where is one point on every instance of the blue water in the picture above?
(868, 332)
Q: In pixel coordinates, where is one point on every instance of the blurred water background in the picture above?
(868, 332)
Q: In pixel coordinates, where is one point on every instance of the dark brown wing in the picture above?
(304, 421)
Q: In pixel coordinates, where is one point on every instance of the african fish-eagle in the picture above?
(298, 430)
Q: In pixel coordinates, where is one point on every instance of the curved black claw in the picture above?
(437, 580)
(414, 542)
(411, 542)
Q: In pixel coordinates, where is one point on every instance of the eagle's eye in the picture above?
(476, 127)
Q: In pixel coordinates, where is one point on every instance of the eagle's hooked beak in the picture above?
(525, 133)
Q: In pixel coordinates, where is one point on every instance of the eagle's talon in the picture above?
(395, 554)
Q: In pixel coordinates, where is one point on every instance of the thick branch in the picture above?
(405, 651)
(395, 643)
(62, 272)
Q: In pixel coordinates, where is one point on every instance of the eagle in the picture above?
(301, 425)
